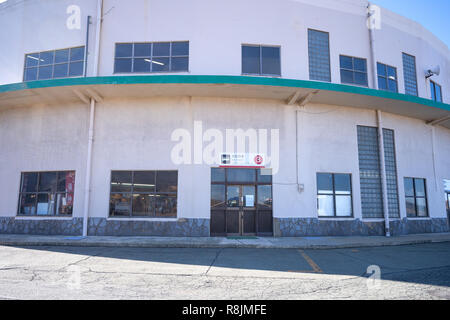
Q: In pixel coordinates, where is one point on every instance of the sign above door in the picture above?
(242, 160)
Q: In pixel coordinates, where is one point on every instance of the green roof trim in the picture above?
(211, 79)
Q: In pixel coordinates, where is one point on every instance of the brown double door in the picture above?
(241, 202)
(241, 210)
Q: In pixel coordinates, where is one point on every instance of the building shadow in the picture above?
(427, 264)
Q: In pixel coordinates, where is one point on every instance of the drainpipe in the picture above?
(87, 187)
(372, 47)
(373, 59)
(97, 36)
(297, 171)
(433, 148)
(86, 47)
(383, 173)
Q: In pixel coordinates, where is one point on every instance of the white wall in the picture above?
(414, 151)
(41, 138)
(443, 159)
(136, 135)
(216, 29)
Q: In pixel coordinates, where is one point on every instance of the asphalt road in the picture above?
(403, 272)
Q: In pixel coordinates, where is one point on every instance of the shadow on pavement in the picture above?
(424, 264)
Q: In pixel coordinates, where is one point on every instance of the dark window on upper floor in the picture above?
(319, 55)
(436, 91)
(54, 64)
(261, 60)
(353, 70)
(410, 74)
(387, 77)
(47, 193)
(146, 57)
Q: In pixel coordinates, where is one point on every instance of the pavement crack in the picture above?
(143, 273)
(214, 261)
(34, 276)
(79, 261)
(11, 268)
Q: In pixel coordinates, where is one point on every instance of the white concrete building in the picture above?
(124, 117)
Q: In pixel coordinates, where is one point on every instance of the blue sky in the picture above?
(432, 14)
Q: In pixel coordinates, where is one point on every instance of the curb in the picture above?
(125, 244)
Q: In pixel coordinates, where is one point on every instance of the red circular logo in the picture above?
(258, 159)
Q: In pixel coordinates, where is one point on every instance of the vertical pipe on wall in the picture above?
(383, 173)
(97, 36)
(87, 185)
(297, 111)
(86, 47)
(433, 152)
(298, 127)
(87, 188)
(371, 25)
(372, 46)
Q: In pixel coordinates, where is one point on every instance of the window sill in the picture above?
(336, 218)
(386, 90)
(144, 219)
(261, 75)
(380, 219)
(43, 218)
(68, 77)
(354, 85)
(322, 81)
(150, 73)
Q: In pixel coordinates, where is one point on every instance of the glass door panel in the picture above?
(248, 210)
(248, 196)
(233, 196)
(241, 175)
(233, 217)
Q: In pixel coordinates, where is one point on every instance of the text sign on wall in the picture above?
(447, 185)
(245, 160)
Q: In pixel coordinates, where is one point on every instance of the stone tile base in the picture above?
(291, 227)
(11, 225)
(179, 228)
(310, 227)
(104, 227)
